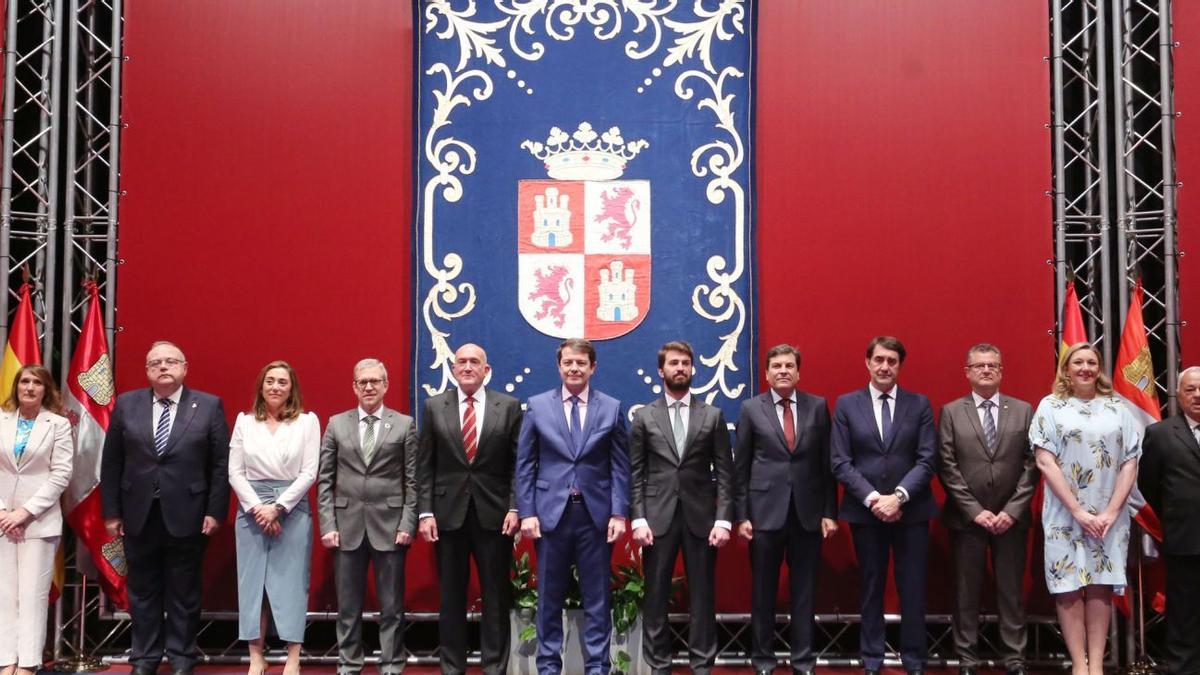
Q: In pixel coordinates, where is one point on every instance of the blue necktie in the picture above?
(576, 430)
(886, 418)
(162, 431)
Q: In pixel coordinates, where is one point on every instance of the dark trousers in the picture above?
(873, 545)
(767, 551)
(164, 578)
(699, 562)
(575, 540)
(350, 580)
(1183, 614)
(493, 554)
(971, 547)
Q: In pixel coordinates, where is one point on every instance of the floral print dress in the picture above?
(1090, 440)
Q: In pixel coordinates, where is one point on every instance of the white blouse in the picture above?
(291, 453)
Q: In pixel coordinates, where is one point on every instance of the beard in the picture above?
(677, 385)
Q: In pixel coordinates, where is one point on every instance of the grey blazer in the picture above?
(975, 481)
(375, 501)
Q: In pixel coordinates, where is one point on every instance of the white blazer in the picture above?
(38, 481)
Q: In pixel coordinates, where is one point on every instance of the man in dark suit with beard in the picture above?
(681, 497)
(165, 487)
(785, 503)
(1169, 478)
(466, 453)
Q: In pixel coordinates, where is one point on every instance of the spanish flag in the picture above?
(22, 347)
(1073, 331)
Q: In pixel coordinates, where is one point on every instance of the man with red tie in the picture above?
(785, 503)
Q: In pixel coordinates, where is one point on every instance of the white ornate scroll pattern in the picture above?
(720, 159)
(448, 156)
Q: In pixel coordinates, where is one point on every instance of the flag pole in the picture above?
(82, 662)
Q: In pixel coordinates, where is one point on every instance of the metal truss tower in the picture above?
(29, 186)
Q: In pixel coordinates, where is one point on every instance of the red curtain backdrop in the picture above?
(902, 160)
(1186, 25)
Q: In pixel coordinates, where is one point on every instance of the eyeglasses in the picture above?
(984, 366)
(164, 362)
(373, 382)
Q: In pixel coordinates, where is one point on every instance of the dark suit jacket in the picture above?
(1169, 478)
(446, 482)
(974, 481)
(769, 477)
(702, 480)
(863, 464)
(548, 464)
(191, 477)
(368, 502)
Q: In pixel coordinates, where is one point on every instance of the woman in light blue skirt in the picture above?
(273, 457)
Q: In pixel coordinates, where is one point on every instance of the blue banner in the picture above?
(585, 169)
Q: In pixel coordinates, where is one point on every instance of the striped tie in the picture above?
(989, 427)
(368, 441)
(470, 438)
(162, 431)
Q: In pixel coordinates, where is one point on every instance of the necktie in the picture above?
(162, 431)
(989, 427)
(886, 418)
(576, 430)
(678, 428)
(470, 438)
(789, 424)
(368, 448)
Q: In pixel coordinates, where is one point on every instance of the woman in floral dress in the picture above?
(1087, 445)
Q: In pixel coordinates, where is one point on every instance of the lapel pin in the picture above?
(387, 425)
(193, 405)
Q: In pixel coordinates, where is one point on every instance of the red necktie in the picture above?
(789, 424)
(470, 438)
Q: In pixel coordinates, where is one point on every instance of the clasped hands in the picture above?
(12, 524)
(1094, 524)
(995, 523)
(887, 508)
(266, 516)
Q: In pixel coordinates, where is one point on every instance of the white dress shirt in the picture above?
(291, 453)
(158, 410)
(583, 400)
(877, 406)
(362, 424)
(995, 411)
(685, 415)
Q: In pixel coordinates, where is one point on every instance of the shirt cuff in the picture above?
(871, 499)
(510, 511)
(724, 525)
(904, 492)
(422, 516)
(639, 522)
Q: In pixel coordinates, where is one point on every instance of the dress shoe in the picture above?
(870, 671)
(181, 671)
(916, 671)
(806, 671)
(1017, 670)
(763, 671)
(142, 670)
(966, 670)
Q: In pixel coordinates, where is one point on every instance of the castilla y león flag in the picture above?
(88, 396)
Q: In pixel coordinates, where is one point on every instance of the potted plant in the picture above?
(523, 626)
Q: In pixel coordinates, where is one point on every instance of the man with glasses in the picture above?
(989, 473)
(165, 488)
(367, 508)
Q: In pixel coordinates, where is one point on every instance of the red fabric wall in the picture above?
(1186, 18)
(902, 159)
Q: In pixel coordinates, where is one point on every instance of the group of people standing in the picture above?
(571, 468)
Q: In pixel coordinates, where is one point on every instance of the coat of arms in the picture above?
(583, 237)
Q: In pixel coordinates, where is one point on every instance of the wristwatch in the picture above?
(281, 509)
(901, 496)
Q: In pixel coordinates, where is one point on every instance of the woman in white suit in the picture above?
(36, 451)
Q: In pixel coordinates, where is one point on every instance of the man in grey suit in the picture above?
(465, 467)
(681, 497)
(989, 473)
(785, 504)
(367, 508)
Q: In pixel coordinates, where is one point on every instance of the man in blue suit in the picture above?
(884, 451)
(573, 498)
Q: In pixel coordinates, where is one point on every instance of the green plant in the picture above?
(525, 594)
(628, 593)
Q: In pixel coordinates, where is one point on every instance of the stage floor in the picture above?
(433, 670)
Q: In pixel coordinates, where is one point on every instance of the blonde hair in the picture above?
(1062, 384)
